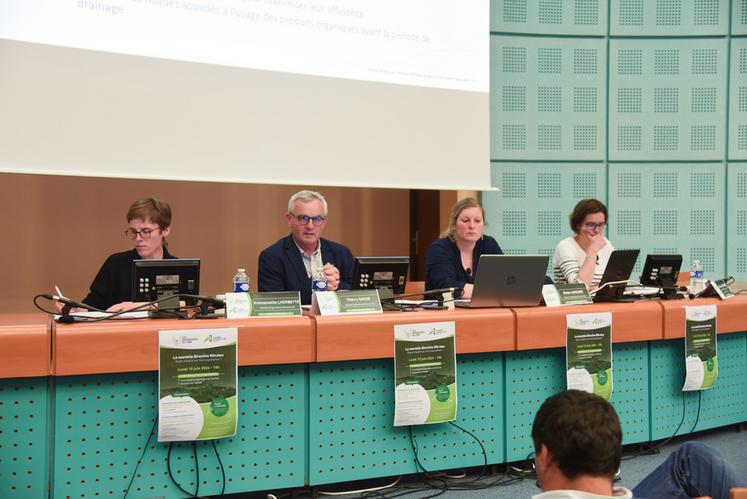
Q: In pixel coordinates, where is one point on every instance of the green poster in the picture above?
(589, 353)
(425, 373)
(197, 381)
(701, 359)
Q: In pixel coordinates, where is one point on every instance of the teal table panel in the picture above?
(103, 422)
(351, 411)
(534, 375)
(24, 437)
(724, 404)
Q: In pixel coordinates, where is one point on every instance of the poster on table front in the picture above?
(197, 382)
(589, 353)
(701, 353)
(425, 373)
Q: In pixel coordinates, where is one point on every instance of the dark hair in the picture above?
(583, 208)
(153, 209)
(582, 432)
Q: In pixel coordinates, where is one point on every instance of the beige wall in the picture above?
(59, 230)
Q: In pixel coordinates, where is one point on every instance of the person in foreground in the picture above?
(578, 446)
(452, 260)
(583, 257)
(291, 262)
(149, 223)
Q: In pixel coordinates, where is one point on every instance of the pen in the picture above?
(59, 293)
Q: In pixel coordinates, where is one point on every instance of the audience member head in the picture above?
(577, 440)
(466, 222)
(307, 216)
(149, 222)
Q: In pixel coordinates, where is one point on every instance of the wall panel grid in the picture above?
(547, 98)
(532, 376)
(722, 405)
(529, 215)
(558, 17)
(669, 17)
(351, 408)
(736, 234)
(738, 99)
(667, 99)
(662, 208)
(24, 438)
(102, 423)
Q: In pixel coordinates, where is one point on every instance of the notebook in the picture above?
(507, 281)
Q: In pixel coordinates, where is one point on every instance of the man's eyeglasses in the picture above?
(144, 233)
(304, 219)
(592, 225)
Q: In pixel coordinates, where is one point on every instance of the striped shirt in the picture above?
(569, 256)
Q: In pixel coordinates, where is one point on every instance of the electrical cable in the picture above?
(171, 475)
(656, 448)
(222, 469)
(360, 491)
(142, 455)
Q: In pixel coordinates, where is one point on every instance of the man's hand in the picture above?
(332, 275)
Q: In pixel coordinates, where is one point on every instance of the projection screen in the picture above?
(365, 93)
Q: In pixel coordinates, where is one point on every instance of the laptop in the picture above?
(618, 270)
(507, 281)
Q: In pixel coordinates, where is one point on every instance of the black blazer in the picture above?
(443, 264)
(281, 267)
(113, 283)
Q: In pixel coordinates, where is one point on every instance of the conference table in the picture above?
(78, 402)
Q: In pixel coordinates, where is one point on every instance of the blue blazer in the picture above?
(281, 267)
(443, 264)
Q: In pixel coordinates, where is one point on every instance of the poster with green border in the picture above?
(425, 384)
(701, 352)
(197, 382)
(588, 353)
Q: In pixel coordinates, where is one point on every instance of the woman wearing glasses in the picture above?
(583, 257)
(149, 222)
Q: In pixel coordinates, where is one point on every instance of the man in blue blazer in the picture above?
(290, 263)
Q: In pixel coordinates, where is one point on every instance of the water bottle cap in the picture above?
(242, 270)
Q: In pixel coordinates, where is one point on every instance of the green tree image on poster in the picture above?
(425, 373)
(701, 357)
(197, 381)
(589, 353)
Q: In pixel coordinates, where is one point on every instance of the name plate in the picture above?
(556, 295)
(722, 289)
(364, 301)
(271, 304)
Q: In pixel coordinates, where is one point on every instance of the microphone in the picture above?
(70, 303)
(457, 292)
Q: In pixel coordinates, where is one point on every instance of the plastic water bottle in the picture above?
(319, 281)
(241, 282)
(697, 282)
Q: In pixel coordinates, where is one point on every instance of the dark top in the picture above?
(443, 265)
(113, 283)
(281, 267)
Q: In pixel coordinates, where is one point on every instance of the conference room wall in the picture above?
(61, 229)
(640, 104)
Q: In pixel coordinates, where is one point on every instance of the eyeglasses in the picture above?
(592, 225)
(304, 219)
(144, 233)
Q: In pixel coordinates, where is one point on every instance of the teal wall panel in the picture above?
(738, 99)
(722, 405)
(24, 438)
(547, 98)
(736, 233)
(102, 423)
(529, 214)
(532, 376)
(351, 412)
(669, 17)
(669, 208)
(667, 99)
(559, 17)
(739, 17)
